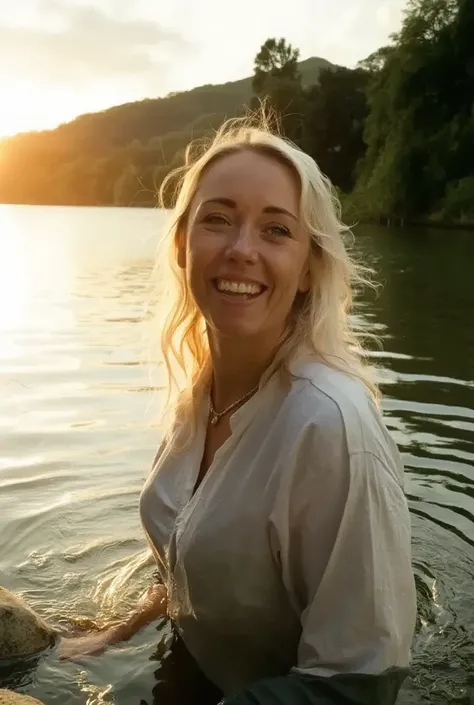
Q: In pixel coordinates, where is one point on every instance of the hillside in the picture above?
(93, 159)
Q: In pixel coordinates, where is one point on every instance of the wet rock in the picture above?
(22, 632)
(9, 697)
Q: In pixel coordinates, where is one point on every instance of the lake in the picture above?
(77, 435)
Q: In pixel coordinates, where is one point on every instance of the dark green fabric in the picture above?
(179, 680)
(348, 689)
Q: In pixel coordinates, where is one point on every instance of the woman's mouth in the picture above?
(238, 289)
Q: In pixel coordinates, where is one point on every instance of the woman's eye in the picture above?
(215, 219)
(278, 230)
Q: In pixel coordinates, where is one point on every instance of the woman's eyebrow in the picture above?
(230, 203)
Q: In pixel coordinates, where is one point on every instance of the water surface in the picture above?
(76, 440)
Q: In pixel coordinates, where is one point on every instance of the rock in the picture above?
(9, 697)
(22, 632)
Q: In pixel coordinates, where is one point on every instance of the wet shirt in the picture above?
(291, 563)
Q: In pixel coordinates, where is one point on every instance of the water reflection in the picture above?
(76, 442)
(425, 307)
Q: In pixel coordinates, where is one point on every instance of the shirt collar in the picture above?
(242, 417)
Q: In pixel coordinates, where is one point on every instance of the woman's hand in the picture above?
(151, 606)
(72, 648)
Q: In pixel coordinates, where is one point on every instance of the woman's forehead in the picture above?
(248, 174)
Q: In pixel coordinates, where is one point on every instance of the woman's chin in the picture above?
(238, 331)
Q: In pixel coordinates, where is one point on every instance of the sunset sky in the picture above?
(61, 58)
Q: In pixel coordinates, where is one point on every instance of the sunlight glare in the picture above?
(34, 106)
(27, 270)
(15, 282)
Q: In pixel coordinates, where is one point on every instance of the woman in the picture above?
(275, 508)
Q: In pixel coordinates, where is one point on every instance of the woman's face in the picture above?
(246, 252)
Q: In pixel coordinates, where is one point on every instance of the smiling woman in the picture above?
(275, 509)
(246, 258)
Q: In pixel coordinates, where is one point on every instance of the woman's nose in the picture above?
(243, 245)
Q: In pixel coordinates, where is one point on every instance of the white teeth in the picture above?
(238, 287)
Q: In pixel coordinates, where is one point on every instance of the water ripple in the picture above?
(77, 442)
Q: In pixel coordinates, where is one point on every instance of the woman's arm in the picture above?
(151, 606)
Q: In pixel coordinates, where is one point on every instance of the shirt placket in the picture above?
(239, 422)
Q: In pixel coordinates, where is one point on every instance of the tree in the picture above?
(275, 60)
(334, 123)
(277, 79)
(81, 161)
(420, 128)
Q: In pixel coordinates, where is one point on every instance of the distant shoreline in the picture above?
(395, 223)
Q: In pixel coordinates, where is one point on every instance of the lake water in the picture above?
(76, 438)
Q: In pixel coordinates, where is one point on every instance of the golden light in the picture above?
(27, 270)
(15, 282)
(32, 106)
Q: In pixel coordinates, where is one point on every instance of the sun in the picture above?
(28, 106)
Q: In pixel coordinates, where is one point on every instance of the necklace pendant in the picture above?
(215, 417)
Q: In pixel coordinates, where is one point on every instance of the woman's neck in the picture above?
(237, 368)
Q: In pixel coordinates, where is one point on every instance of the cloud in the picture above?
(77, 44)
(389, 14)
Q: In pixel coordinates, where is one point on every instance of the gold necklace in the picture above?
(215, 416)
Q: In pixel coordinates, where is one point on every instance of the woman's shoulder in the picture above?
(336, 406)
(331, 387)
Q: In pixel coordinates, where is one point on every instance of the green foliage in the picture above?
(336, 111)
(277, 81)
(275, 60)
(458, 202)
(325, 119)
(420, 128)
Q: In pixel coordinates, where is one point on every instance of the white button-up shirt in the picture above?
(294, 552)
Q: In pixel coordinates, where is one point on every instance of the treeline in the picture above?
(395, 135)
(419, 130)
(120, 156)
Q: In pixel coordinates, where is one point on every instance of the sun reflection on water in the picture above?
(30, 272)
(15, 283)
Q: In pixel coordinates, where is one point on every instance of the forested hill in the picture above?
(120, 155)
(395, 135)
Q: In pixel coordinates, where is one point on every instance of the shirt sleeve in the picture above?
(341, 536)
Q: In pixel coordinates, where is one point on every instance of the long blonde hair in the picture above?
(321, 323)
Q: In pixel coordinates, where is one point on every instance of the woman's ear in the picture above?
(304, 283)
(312, 269)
